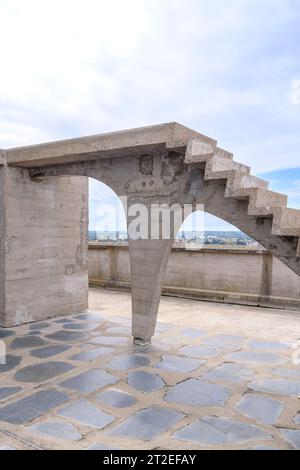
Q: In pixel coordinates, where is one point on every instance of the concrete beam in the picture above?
(150, 139)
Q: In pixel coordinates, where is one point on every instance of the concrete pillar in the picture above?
(148, 262)
(43, 246)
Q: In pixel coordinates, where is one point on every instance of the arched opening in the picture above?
(107, 221)
(202, 229)
(214, 271)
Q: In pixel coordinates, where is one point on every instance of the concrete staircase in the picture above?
(241, 185)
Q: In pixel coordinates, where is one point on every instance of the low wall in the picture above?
(240, 276)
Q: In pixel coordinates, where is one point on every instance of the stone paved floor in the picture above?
(216, 376)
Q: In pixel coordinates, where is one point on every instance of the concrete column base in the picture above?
(148, 262)
(141, 341)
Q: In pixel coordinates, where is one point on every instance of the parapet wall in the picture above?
(240, 276)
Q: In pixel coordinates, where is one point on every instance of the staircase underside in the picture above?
(250, 205)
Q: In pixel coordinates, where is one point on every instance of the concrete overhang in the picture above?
(148, 140)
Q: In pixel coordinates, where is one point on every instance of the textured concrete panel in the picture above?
(46, 247)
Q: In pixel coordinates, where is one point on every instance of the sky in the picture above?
(229, 69)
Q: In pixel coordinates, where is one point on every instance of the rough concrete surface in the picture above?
(43, 254)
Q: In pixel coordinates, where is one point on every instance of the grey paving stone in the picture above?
(200, 351)
(8, 391)
(224, 341)
(266, 345)
(86, 413)
(255, 357)
(57, 430)
(43, 371)
(101, 447)
(39, 325)
(4, 333)
(147, 424)
(109, 340)
(287, 373)
(11, 362)
(276, 386)
(264, 448)
(116, 398)
(92, 354)
(169, 340)
(68, 336)
(27, 342)
(296, 419)
(120, 320)
(49, 351)
(94, 317)
(263, 409)
(292, 436)
(34, 332)
(228, 372)
(29, 408)
(80, 326)
(64, 320)
(118, 330)
(128, 361)
(198, 392)
(174, 363)
(192, 332)
(212, 430)
(89, 381)
(145, 381)
(162, 327)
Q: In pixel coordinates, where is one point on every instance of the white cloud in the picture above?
(296, 92)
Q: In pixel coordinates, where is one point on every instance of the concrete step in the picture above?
(241, 181)
(262, 201)
(286, 221)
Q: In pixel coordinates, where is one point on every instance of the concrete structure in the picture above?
(167, 164)
(231, 275)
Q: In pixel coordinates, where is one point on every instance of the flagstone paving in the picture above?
(56, 429)
(145, 381)
(86, 413)
(214, 430)
(229, 372)
(277, 386)
(198, 392)
(116, 398)
(263, 409)
(40, 372)
(147, 424)
(89, 381)
(212, 379)
(8, 391)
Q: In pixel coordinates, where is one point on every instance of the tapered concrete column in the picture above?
(148, 262)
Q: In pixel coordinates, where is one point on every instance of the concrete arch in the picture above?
(164, 164)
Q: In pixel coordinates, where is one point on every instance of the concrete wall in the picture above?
(45, 246)
(237, 276)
